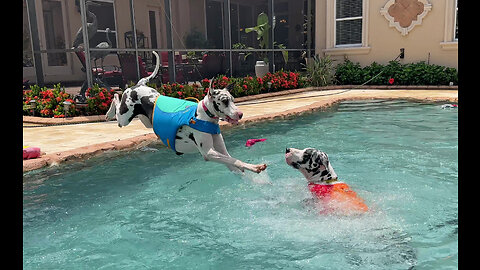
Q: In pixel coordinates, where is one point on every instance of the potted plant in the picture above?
(263, 36)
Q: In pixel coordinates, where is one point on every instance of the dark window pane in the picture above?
(349, 8)
(349, 32)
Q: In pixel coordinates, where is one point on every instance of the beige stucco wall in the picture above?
(431, 41)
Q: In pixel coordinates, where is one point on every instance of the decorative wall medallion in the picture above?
(404, 15)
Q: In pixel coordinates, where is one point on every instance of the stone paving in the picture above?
(71, 142)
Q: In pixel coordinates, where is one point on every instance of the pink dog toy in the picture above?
(31, 152)
(251, 142)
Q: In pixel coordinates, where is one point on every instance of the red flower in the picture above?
(179, 93)
(391, 81)
(245, 87)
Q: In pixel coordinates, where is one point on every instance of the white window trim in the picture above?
(345, 49)
(449, 41)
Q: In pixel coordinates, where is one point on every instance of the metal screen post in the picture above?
(86, 44)
(168, 23)
(309, 28)
(271, 57)
(37, 57)
(227, 40)
(135, 45)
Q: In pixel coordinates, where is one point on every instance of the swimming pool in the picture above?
(152, 209)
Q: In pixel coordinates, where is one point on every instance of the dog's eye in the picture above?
(225, 102)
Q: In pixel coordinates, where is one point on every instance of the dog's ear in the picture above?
(230, 87)
(323, 157)
(210, 87)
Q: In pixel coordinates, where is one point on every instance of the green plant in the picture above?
(263, 36)
(320, 71)
(196, 40)
(419, 73)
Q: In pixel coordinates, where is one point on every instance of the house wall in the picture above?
(431, 41)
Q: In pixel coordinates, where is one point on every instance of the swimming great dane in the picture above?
(183, 126)
(335, 196)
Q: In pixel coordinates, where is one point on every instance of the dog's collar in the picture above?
(207, 111)
(329, 181)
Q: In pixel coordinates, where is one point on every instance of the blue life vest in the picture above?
(169, 114)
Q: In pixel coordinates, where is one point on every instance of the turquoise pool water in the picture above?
(151, 209)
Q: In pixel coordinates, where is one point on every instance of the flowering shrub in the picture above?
(177, 90)
(281, 81)
(98, 99)
(249, 85)
(49, 102)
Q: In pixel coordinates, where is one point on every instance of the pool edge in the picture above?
(136, 142)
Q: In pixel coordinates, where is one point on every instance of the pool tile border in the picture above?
(143, 140)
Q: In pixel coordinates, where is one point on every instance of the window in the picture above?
(106, 19)
(54, 32)
(450, 37)
(456, 21)
(27, 43)
(348, 22)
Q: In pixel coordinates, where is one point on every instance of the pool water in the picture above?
(152, 209)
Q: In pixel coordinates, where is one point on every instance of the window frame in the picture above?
(347, 19)
(455, 37)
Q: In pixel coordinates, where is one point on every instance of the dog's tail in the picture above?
(145, 80)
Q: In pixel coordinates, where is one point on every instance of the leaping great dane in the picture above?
(182, 125)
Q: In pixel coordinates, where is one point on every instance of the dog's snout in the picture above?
(287, 150)
(240, 115)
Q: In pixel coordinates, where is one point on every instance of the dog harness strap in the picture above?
(204, 126)
(169, 114)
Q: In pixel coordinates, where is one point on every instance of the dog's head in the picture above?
(223, 105)
(312, 163)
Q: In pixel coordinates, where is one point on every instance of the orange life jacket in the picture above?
(338, 198)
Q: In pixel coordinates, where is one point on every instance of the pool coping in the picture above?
(136, 142)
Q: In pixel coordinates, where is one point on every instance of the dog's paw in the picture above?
(259, 168)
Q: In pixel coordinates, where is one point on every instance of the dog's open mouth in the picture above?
(231, 121)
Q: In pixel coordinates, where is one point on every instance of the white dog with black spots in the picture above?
(218, 104)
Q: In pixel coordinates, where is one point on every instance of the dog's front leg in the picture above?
(219, 145)
(206, 148)
(212, 155)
